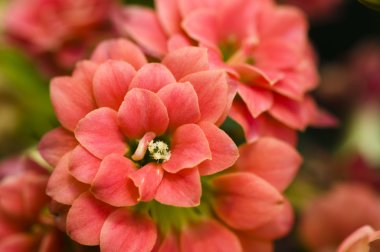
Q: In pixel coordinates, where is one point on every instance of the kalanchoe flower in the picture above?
(25, 225)
(155, 122)
(326, 221)
(364, 239)
(264, 47)
(137, 137)
(58, 32)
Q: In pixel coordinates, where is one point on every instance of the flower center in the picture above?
(159, 151)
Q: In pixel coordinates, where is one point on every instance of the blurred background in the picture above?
(337, 188)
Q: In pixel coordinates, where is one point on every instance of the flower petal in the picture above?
(63, 187)
(258, 100)
(147, 179)
(210, 236)
(119, 49)
(189, 148)
(169, 16)
(84, 165)
(289, 112)
(224, 151)
(245, 201)
(212, 90)
(357, 241)
(152, 77)
(112, 184)
(202, 26)
(91, 133)
(170, 243)
(271, 159)
(55, 144)
(127, 232)
(142, 111)
(19, 243)
(142, 25)
(250, 243)
(86, 218)
(72, 100)
(186, 60)
(111, 82)
(182, 189)
(181, 101)
(278, 227)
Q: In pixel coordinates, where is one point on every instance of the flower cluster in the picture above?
(58, 33)
(138, 145)
(264, 48)
(143, 160)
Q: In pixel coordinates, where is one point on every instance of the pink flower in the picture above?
(363, 239)
(24, 225)
(264, 47)
(136, 138)
(332, 217)
(239, 211)
(59, 31)
(158, 117)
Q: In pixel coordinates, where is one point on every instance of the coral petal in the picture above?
(152, 77)
(112, 184)
(181, 101)
(182, 189)
(84, 165)
(143, 26)
(219, 238)
(223, 150)
(86, 218)
(212, 90)
(111, 82)
(63, 187)
(249, 206)
(119, 49)
(127, 232)
(147, 179)
(271, 159)
(186, 60)
(55, 144)
(258, 100)
(188, 149)
(72, 100)
(91, 133)
(142, 111)
(169, 16)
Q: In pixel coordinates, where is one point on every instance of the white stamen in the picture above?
(159, 150)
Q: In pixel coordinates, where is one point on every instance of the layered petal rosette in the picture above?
(263, 46)
(134, 132)
(242, 209)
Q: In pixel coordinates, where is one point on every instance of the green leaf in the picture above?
(31, 90)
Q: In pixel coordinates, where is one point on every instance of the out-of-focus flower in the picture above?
(317, 9)
(59, 32)
(25, 225)
(136, 138)
(265, 49)
(365, 239)
(331, 218)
